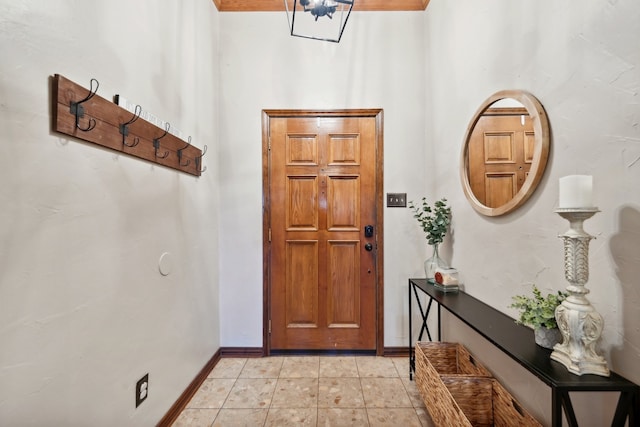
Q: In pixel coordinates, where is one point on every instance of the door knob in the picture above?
(368, 247)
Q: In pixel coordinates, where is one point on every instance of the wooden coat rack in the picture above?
(80, 113)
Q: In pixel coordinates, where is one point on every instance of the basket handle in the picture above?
(517, 407)
(472, 360)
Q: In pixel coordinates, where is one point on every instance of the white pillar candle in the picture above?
(576, 191)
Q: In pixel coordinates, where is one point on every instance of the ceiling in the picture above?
(278, 5)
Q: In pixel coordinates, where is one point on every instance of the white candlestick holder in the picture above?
(579, 322)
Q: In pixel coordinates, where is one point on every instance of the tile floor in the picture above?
(308, 391)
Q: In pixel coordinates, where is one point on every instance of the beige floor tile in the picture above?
(338, 417)
(251, 393)
(424, 417)
(212, 393)
(227, 368)
(384, 393)
(241, 417)
(285, 417)
(264, 367)
(196, 418)
(300, 367)
(340, 393)
(393, 417)
(402, 366)
(338, 366)
(413, 392)
(296, 393)
(376, 367)
(310, 390)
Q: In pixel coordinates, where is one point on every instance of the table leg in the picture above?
(568, 409)
(439, 324)
(627, 406)
(411, 355)
(556, 408)
(424, 315)
(634, 413)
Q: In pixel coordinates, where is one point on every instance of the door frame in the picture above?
(376, 113)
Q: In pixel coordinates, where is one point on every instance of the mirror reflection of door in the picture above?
(501, 150)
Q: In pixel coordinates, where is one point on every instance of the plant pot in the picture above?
(433, 263)
(547, 338)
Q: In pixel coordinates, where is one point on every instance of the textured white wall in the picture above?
(84, 311)
(378, 64)
(581, 59)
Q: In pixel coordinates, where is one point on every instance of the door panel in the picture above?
(343, 284)
(343, 203)
(344, 149)
(302, 204)
(500, 188)
(322, 183)
(301, 284)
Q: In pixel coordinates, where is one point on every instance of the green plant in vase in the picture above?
(539, 312)
(434, 221)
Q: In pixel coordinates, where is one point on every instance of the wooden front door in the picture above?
(323, 223)
(500, 155)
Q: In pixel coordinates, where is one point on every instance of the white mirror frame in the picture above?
(540, 154)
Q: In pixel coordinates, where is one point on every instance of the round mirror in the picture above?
(505, 152)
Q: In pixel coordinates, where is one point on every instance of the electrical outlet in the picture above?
(142, 389)
(396, 200)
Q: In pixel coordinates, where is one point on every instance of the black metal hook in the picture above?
(77, 109)
(180, 153)
(124, 128)
(199, 160)
(156, 142)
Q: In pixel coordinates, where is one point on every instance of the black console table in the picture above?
(517, 341)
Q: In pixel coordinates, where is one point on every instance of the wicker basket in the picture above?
(463, 395)
(449, 358)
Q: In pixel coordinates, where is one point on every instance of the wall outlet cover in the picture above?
(142, 389)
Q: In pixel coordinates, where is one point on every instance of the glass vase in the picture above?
(433, 263)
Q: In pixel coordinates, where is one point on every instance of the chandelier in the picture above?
(318, 19)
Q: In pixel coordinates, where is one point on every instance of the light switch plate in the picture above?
(396, 200)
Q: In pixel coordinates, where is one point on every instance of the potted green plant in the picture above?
(434, 221)
(539, 312)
